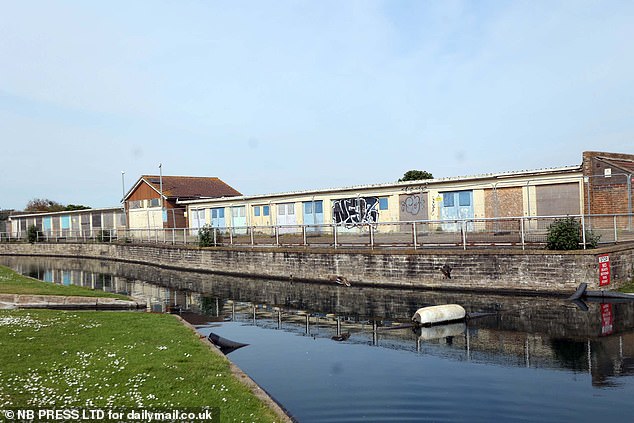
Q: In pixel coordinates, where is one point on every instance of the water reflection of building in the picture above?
(523, 331)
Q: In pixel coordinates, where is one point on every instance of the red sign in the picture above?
(604, 270)
(607, 319)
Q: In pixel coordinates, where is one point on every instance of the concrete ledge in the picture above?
(59, 302)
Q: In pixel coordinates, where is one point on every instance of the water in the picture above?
(533, 359)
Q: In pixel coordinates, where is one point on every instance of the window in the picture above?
(256, 210)
(383, 205)
(447, 199)
(464, 198)
(136, 204)
(155, 202)
(265, 210)
(290, 208)
(319, 206)
(308, 207)
(281, 209)
(218, 213)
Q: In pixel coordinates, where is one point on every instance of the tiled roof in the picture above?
(191, 186)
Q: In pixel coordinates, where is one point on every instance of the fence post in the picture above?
(231, 236)
(522, 232)
(464, 234)
(371, 235)
(277, 236)
(304, 234)
(414, 235)
(334, 231)
(583, 231)
(616, 237)
(185, 236)
(252, 240)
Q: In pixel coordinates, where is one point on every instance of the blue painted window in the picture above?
(383, 203)
(308, 207)
(265, 210)
(218, 213)
(319, 206)
(464, 198)
(447, 199)
(256, 210)
(65, 222)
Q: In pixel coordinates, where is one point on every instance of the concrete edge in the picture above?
(243, 377)
(61, 302)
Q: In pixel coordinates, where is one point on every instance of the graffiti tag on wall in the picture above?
(412, 204)
(355, 211)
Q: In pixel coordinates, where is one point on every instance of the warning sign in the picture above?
(604, 270)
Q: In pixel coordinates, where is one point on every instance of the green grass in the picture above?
(628, 287)
(115, 359)
(14, 283)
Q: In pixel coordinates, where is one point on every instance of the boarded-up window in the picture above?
(108, 221)
(96, 220)
(557, 199)
(413, 207)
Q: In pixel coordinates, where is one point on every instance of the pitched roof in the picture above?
(188, 187)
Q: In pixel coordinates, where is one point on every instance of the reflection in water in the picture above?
(531, 332)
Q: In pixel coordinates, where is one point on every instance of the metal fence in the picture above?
(515, 232)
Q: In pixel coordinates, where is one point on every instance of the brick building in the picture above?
(608, 181)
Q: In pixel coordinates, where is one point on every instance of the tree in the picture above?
(71, 207)
(46, 205)
(43, 205)
(416, 175)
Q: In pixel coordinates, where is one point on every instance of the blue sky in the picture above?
(275, 96)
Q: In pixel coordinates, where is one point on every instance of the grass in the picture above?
(14, 283)
(628, 287)
(115, 359)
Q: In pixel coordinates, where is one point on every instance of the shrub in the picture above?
(31, 234)
(206, 236)
(104, 235)
(565, 234)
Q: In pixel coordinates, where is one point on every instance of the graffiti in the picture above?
(414, 188)
(412, 204)
(351, 212)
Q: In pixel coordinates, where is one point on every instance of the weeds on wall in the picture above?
(566, 234)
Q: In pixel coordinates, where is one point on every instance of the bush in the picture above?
(31, 234)
(104, 235)
(565, 234)
(206, 236)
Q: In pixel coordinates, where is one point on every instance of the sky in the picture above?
(279, 96)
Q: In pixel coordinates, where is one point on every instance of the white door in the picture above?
(286, 217)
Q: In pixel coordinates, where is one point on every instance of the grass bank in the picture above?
(115, 359)
(14, 283)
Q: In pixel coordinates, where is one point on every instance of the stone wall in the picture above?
(537, 271)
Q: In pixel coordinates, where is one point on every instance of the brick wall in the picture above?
(607, 195)
(490, 270)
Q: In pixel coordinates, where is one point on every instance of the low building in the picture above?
(86, 223)
(569, 190)
(152, 202)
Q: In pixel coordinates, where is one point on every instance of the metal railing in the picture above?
(515, 232)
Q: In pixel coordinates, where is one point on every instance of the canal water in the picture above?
(330, 353)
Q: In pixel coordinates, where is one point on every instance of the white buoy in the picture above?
(439, 314)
